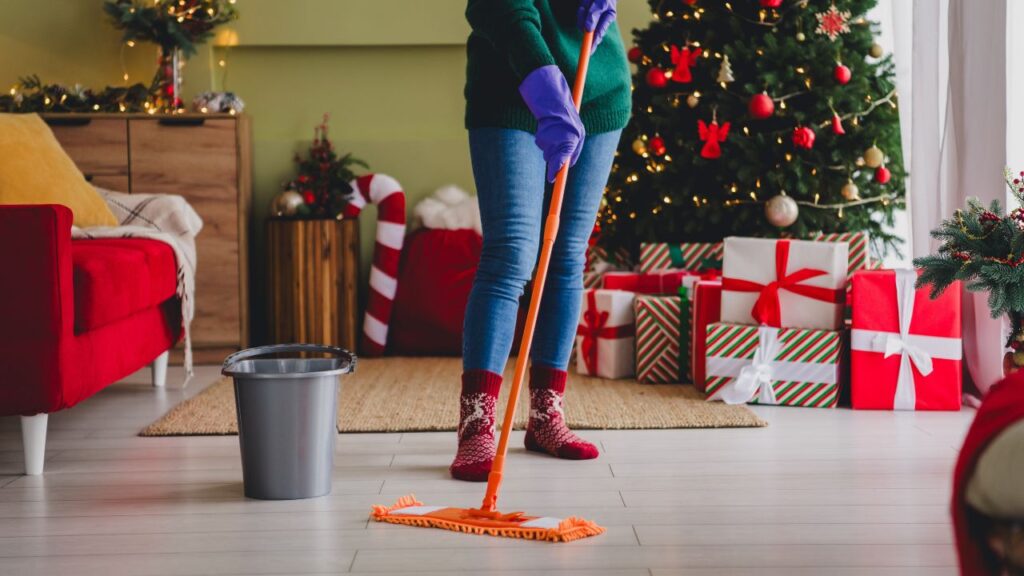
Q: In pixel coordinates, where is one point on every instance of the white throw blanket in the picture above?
(169, 219)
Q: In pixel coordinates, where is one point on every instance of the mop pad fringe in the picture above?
(570, 529)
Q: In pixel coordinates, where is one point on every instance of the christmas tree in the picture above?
(757, 118)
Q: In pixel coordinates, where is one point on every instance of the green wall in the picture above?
(389, 72)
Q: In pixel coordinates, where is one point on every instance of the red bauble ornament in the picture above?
(657, 146)
(635, 54)
(842, 74)
(803, 137)
(656, 78)
(308, 197)
(761, 106)
(882, 175)
(837, 125)
(771, 3)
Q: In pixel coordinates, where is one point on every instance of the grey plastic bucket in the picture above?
(287, 418)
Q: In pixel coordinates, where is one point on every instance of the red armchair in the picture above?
(76, 316)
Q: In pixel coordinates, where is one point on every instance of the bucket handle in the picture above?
(284, 348)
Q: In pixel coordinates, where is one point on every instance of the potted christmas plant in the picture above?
(984, 248)
(175, 26)
(322, 186)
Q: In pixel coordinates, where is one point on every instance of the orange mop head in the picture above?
(486, 519)
(412, 512)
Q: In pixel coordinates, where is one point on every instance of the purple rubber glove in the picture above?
(559, 129)
(595, 16)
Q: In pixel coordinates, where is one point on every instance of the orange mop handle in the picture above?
(550, 233)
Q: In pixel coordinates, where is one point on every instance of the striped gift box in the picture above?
(803, 368)
(659, 335)
(860, 252)
(685, 256)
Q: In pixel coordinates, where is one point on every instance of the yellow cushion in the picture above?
(34, 169)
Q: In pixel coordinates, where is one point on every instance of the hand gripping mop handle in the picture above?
(550, 233)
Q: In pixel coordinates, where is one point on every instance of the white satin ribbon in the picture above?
(755, 377)
(913, 349)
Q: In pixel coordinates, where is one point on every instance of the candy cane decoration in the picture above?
(386, 193)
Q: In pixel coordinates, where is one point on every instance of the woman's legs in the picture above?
(508, 169)
(560, 306)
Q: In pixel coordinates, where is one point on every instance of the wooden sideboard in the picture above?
(207, 158)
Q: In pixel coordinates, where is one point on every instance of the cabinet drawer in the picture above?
(198, 159)
(99, 147)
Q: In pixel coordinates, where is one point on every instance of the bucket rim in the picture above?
(230, 363)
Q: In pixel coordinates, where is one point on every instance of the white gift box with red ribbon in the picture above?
(784, 283)
(605, 337)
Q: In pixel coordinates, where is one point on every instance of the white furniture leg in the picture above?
(33, 439)
(159, 368)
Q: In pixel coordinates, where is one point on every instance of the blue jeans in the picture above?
(509, 172)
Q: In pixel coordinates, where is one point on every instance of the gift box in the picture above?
(657, 282)
(767, 365)
(706, 309)
(662, 337)
(784, 283)
(859, 252)
(605, 336)
(592, 279)
(684, 256)
(906, 348)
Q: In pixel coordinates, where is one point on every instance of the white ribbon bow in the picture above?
(914, 350)
(755, 379)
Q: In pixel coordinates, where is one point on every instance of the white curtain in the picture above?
(955, 98)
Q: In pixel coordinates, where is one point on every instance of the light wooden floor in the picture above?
(817, 492)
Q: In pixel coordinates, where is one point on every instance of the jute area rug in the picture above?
(421, 394)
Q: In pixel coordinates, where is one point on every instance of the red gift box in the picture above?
(706, 309)
(660, 282)
(905, 347)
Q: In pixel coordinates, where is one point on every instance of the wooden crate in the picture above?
(314, 271)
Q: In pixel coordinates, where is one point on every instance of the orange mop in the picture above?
(487, 519)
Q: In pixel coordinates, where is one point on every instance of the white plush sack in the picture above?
(449, 208)
(615, 356)
(753, 259)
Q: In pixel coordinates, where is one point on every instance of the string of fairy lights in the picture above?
(656, 163)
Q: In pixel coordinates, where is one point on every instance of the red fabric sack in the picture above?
(435, 276)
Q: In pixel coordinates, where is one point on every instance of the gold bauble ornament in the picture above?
(286, 203)
(800, 37)
(639, 146)
(873, 157)
(876, 50)
(781, 211)
(850, 191)
(692, 100)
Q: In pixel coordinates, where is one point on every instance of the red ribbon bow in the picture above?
(594, 327)
(767, 309)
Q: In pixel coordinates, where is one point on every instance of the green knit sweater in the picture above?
(511, 38)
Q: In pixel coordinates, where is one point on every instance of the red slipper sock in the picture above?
(476, 426)
(547, 431)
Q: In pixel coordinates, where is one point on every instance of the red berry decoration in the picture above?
(656, 78)
(803, 137)
(837, 125)
(842, 74)
(771, 3)
(308, 197)
(635, 54)
(761, 106)
(657, 146)
(882, 175)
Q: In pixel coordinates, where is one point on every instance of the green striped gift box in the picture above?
(685, 256)
(860, 252)
(660, 333)
(804, 372)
